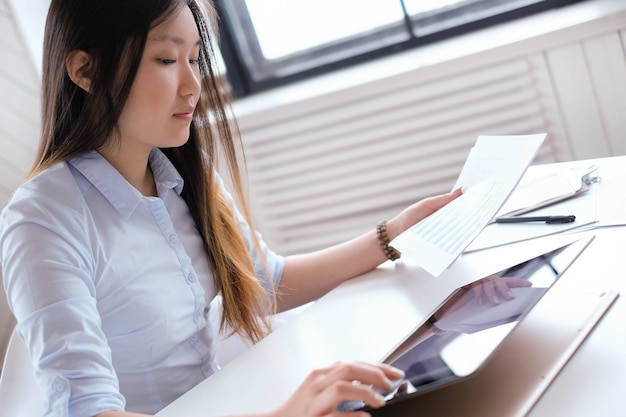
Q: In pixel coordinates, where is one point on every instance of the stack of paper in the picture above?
(492, 170)
(562, 190)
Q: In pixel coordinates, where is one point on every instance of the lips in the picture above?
(186, 114)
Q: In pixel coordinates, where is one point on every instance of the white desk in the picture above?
(364, 318)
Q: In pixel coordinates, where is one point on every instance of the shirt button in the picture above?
(173, 239)
(193, 339)
(59, 386)
(191, 277)
(206, 368)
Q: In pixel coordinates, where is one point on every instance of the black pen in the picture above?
(547, 219)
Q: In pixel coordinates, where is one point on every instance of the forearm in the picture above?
(129, 414)
(309, 276)
(121, 414)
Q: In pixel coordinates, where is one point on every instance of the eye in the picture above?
(166, 61)
(194, 61)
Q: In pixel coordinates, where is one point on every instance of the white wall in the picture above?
(30, 17)
(19, 118)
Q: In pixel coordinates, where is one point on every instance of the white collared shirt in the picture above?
(111, 289)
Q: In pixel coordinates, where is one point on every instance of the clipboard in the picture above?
(559, 182)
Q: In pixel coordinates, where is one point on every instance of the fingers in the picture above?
(513, 282)
(493, 289)
(354, 381)
(377, 375)
(350, 396)
(435, 203)
(418, 211)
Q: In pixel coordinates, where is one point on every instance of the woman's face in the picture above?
(163, 96)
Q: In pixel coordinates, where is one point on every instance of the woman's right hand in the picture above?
(326, 388)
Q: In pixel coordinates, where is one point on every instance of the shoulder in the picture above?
(51, 197)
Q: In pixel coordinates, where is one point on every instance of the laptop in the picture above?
(461, 335)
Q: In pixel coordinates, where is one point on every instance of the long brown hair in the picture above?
(113, 33)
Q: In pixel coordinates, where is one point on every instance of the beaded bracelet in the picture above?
(381, 232)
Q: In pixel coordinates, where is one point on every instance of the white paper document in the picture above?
(492, 170)
(533, 188)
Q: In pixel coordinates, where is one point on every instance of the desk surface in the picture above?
(365, 318)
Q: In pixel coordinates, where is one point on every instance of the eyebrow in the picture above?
(170, 38)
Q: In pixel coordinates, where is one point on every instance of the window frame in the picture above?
(249, 73)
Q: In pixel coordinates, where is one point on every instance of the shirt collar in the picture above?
(165, 174)
(114, 187)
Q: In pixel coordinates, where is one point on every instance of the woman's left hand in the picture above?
(418, 211)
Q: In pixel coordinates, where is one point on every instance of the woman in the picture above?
(114, 247)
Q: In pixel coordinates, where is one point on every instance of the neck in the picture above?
(134, 167)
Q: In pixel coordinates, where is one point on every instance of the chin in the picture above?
(179, 141)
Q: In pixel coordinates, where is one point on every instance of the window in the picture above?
(267, 43)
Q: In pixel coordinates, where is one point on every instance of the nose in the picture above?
(190, 81)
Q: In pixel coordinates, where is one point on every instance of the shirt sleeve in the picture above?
(47, 274)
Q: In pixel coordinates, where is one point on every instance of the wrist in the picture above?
(384, 240)
(394, 228)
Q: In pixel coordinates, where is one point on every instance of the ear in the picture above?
(78, 66)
